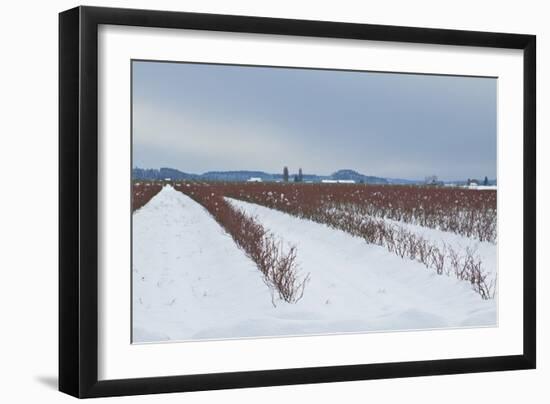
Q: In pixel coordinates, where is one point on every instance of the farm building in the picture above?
(338, 181)
(254, 179)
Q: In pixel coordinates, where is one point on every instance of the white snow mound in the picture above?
(191, 281)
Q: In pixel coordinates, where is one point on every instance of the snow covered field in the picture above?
(485, 250)
(191, 281)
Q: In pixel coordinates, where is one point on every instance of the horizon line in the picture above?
(318, 175)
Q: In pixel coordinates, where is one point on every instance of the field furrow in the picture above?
(192, 281)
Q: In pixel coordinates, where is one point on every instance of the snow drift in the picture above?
(191, 281)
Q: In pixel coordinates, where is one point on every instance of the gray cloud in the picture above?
(210, 117)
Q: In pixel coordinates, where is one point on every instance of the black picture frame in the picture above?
(78, 201)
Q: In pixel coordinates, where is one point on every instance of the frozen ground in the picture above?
(190, 281)
(188, 276)
(486, 251)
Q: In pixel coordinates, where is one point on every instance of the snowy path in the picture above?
(190, 281)
(485, 250)
(188, 275)
(364, 286)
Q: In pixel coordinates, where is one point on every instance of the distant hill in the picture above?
(161, 174)
(244, 175)
(348, 174)
(241, 175)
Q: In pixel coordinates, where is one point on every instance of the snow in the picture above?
(338, 181)
(486, 251)
(482, 187)
(373, 269)
(188, 276)
(190, 281)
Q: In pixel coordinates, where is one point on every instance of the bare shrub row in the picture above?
(406, 244)
(470, 213)
(474, 223)
(142, 192)
(398, 240)
(279, 267)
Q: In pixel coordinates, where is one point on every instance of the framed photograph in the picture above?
(249, 201)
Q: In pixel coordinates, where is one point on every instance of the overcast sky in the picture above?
(199, 117)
